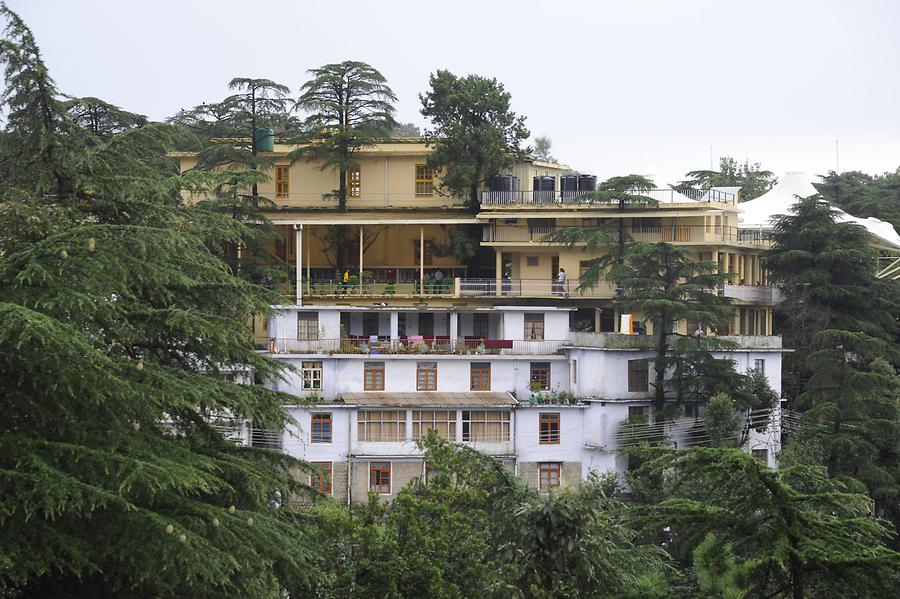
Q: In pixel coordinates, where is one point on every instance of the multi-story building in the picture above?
(401, 336)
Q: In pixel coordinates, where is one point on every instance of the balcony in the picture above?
(431, 287)
(575, 198)
(752, 293)
(644, 233)
(545, 288)
(415, 345)
(314, 200)
(648, 342)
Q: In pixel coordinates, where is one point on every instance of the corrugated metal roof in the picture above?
(430, 398)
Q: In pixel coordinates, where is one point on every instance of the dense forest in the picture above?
(122, 319)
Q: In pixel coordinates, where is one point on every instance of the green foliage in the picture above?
(666, 286)
(462, 244)
(118, 327)
(475, 133)
(543, 148)
(722, 422)
(751, 178)
(623, 192)
(791, 531)
(864, 195)
(349, 106)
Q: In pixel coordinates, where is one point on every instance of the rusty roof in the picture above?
(430, 399)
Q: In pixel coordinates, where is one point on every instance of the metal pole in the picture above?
(298, 243)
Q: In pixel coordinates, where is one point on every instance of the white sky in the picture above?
(640, 86)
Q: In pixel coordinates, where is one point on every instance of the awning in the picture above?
(429, 399)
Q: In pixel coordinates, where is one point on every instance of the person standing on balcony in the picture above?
(561, 281)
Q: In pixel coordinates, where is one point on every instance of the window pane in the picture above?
(320, 428)
(548, 428)
(321, 480)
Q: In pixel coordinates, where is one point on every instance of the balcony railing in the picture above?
(269, 201)
(533, 288)
(550, 198)
(643, 233)
(417, 345)
(752, 293)
(378, 288)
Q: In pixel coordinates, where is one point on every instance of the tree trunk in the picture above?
(342, 189)
(473, 196)
(662, 348)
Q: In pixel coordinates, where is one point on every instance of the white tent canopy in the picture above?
(758, 213)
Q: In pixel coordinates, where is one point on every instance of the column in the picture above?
(360, 259)
(498, 274)
(454, 327)
(395, 325)
(298, 266)
(421, 259)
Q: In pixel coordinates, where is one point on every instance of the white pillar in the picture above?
(454, 326)
(395, 325)
(421, 259)
(360, 259)
(298, 242)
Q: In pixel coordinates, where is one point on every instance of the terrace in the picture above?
(576, 198)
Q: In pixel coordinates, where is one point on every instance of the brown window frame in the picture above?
(282, 180)
(373, 376)
(639, 375)
(325, 434)
(380, 469)
(354, 183)
(424, 181)
(426, 376)
(393, 419)
(549, 469)
(323, 482)
(534, 326)
(475, 424)
(480, 376)
(441, 421)
(549, 429)
(541, 373)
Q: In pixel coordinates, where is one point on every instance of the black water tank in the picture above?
(587, 183)
(515, 183)
(545, 190)
(568, 183)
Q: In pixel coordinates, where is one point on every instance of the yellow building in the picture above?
(398, 222)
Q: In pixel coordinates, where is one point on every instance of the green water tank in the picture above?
(264, 140)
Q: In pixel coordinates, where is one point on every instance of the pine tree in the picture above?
(666, 286)
(119, 331)
(475, 132)
(350, 107)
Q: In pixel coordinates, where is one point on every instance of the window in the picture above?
(534, 326)
(373, 376)
(311, 375)
(480, 327)
(321, 481)
(429, 252)
(549, 475)
(441, 421)
(370, 324)
(307, 325)
(282, 181)
(760, 454)
(485, 426)
(548, 428)
(480, 376)
(638, 414)
(354, 183)
(532, 261)
(426, 376)
(638, 376)
(381, 426)
(320, 428)
(540, 374)
(424, 180)
(759, 366)
(574, 372)
(380, 477)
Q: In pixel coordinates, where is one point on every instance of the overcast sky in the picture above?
(620, 87)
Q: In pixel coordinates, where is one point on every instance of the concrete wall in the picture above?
(402, 472)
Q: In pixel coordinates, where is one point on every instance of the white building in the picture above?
(547, 402)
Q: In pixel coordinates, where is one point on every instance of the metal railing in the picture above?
(294, 199)
(644, 233)
(752, 293)
(417, 345)
(549, 198)
(378, 288)
(533, 288)
(266, 438)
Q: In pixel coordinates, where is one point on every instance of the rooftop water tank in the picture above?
(587, 183)
(264, 140)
